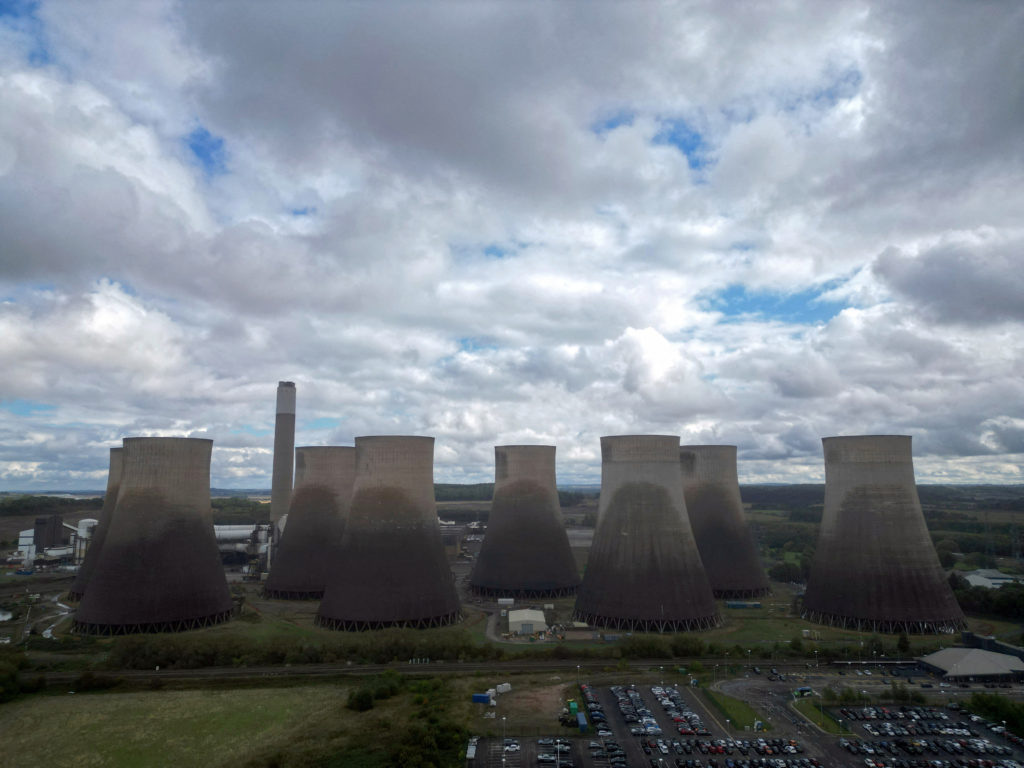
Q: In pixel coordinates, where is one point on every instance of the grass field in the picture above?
(287, 726)
(811, 708)
(740, 714)
(175, 728)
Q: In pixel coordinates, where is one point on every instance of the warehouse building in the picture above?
(526, 621)
(973, 665)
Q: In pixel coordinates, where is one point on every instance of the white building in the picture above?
(990, 578)
(526, 621)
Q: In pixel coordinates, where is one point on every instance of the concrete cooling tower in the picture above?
(875, 568)
(316, 521)
(644, 572)
(726, 545)
(99, 533)
(284, 451)
(526, 550)
(159, 569)
(391, 569)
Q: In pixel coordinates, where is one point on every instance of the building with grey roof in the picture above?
(973, 664)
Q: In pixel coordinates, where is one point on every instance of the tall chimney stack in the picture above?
(284, 452)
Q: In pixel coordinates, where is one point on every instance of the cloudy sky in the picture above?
(750, 223)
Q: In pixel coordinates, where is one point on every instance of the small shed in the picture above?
(526, 621)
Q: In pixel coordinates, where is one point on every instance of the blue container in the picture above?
(481, 698)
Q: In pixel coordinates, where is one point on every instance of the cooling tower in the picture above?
(284, 450)
(875, 568)
(316, 520)
(727, 549)
(526, 550)
(100, 531)
(644, 572)
(159, 569)
(391, 569)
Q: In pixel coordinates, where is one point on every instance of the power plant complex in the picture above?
(360, 532)
(875, 567)
(526, 551)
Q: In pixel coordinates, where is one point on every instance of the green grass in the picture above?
(739, 713)
(811, 708)
(172, 728)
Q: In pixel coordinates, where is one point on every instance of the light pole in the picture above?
(716, 674)
(577, 675)
(815, 657)
(840, 726)
(503, 744)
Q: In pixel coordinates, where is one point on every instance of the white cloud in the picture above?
(426, 220)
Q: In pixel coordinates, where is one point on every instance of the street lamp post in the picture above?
(577, 675)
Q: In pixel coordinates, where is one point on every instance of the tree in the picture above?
(360, 700)
(903, 644)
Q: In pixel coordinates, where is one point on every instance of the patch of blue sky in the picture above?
(486, 250)
(743, 245)
(308, 210)
(20, 407)
(802, 307)
(496, 251)
(248, 429)
(20, 16)
(321, 422)
(476, 344)
(612, 121)
(680, 134)
(841, 86)
(208, 150)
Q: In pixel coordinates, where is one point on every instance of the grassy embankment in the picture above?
(739, 714)
(811, 708)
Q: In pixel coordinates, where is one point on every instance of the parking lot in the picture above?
(653, 727)
(666, 726)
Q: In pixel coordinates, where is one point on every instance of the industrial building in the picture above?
(391, 569)
(99, 533)
(875, 567)
(159, 569)
(644, 572)
(526, 621)
(727, 549)
(320, 503)
(990, 578)
(973, 665)
(526, 550)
